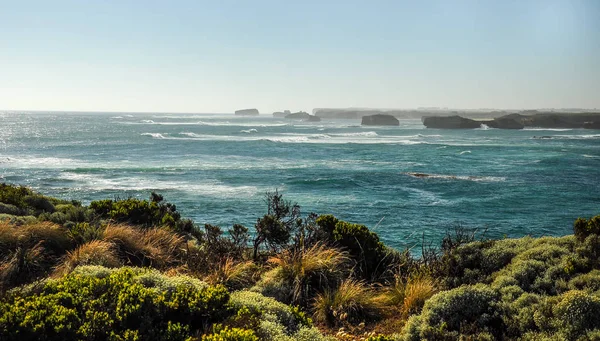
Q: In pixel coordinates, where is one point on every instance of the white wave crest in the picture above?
(547, 129)
(147, 121)
(154, 135)
(211, 188)
(457, 177)
(361, 134)
(249, 131)
(40, 162)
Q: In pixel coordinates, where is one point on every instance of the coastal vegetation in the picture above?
(131, 269)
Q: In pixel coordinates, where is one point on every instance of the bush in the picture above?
(10, 209)
(39, 203)
(363, 246)
(288, 316)
(589, 282)
(233, 334)
(84, 232)
(110, 307)
(14, 195)
(142, 212)
(277, 226)
(576, 313)
(585, 227)
(469, 309)
(272, 320)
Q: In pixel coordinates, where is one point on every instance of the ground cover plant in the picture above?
(133, 269)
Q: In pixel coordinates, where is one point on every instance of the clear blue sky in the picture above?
(218, 56)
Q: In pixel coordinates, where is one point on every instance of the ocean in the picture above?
(216, 168)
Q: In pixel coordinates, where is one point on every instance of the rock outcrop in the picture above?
(504, 123)
(247, 112)
(313, 118)
(519, 121)
(380, 120)
(558, 120)
(281, 114)
(450, 122)
(300, 115)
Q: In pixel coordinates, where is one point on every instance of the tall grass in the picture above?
(234, 275)
(307, 271)
(96, 252)
(152, 247)
(352, 302)
(54, 237)
(409, 295)
(22, 265)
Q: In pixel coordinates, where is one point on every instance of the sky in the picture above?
(219, 56)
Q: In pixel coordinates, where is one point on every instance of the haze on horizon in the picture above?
(206, 56)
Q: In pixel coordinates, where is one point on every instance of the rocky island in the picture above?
(518, 121)
(247, 112)
(380, 120)
(281, 114)
(450, 122)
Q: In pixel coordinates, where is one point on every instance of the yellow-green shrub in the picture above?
(114, 306)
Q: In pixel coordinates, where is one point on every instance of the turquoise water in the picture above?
(216, 168)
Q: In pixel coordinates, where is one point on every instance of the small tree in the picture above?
(277, 226)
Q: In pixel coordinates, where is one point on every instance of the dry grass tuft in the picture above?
(410, 295)
(153, 247)
(55, 238)
(166, 247)
(307, 270)
(352, 302)
(22, 265)
(96, 252)
(235, 276)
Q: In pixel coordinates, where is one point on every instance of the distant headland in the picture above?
(518, 121)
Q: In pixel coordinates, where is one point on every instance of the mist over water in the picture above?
(216, 168)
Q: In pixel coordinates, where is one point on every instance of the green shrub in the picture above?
(272, 320)
(589, 249)
(18, 220)
(467, 309)
(142, 212)
(588, 282)
(56, 217)
(363, 246)
(519, 314)
(327, 224)
(233, 334)
(584, 227)
(527, 272)
(380, 338)
(39, 203)
(10, 209)
(110, 307)
(288, 316)
(84, 232)
(14, 195)
(577, 312)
